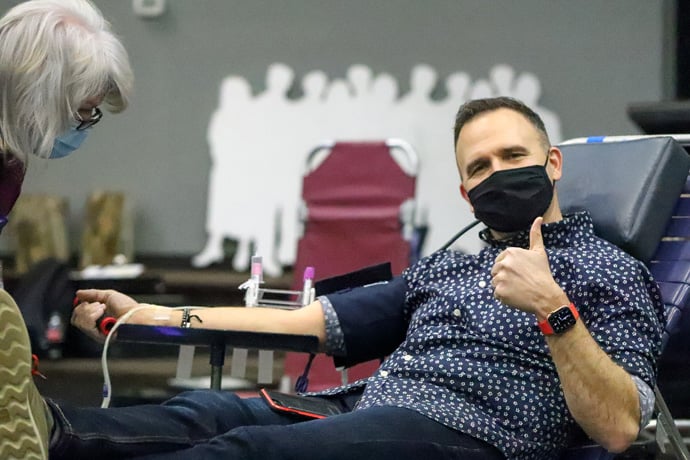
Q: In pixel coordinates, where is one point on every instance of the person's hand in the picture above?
(522, 278)
(93, 304)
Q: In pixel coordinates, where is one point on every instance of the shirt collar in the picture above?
(554, 234)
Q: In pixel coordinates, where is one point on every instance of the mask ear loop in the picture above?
(548, 157)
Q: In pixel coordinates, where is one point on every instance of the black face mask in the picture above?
(509, 200)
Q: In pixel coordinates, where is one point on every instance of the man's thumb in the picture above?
(536, 242)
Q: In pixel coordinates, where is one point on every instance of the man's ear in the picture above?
(556, 163)
(465, 196)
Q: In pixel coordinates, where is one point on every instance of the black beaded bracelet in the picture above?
(187, 318)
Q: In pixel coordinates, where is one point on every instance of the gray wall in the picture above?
(593, 58)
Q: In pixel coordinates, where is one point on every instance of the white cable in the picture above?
(107, 388)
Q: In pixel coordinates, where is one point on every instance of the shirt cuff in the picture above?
(335, 337)
(647, 399)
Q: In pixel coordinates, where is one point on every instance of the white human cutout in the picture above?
(502, 79)
(340, 111)
(228, 148)
(385, 88)
(423, 79)
(528, 90)
(251, 208)
(481, 89)
(314, 86)
(457, 85)
(384, 92)
(276, 148)
(360, 79)
(308, 127)
(416, 112)
(419, 117)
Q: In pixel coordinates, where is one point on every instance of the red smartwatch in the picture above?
(559, 320)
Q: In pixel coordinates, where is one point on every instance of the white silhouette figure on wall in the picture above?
(230, 154)
(258, 147)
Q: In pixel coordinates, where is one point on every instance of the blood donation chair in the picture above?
(358, 210)
(631, 187)
(638, 193)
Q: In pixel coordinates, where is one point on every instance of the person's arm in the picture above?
(307, 320)
(600, 395)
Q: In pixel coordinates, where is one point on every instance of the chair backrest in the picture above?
(632, 189)
(629, 187)
(355, 196)
(359, 211)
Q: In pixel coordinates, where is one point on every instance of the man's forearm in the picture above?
(307, 320)
(601, 395)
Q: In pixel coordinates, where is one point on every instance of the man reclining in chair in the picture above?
(491, 356)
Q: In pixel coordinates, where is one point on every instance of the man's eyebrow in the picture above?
(514, 148)
(474, 163)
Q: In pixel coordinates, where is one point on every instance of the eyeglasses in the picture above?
(96, 116)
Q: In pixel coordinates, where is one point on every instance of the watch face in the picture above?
(562, 319)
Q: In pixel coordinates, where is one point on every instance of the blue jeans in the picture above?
(219, 425)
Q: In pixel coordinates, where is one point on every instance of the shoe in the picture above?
(24, 426)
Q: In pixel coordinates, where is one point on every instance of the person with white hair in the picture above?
(59, 63)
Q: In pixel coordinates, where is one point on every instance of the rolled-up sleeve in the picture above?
(371, 318)
(647, 399)
(335, 339)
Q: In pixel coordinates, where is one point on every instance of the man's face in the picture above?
(497, 140)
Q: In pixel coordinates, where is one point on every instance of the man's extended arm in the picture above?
(370, 318)
(308, 320)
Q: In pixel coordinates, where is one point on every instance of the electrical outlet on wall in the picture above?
(148, 8)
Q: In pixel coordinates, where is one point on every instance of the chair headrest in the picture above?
(629, 187)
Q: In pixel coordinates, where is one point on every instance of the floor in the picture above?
(134, 379)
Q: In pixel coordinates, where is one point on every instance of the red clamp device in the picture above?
(104, 323)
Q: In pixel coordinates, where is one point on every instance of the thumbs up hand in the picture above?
(522, 278)
(536, 241)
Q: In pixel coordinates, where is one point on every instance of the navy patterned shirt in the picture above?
(478, 366)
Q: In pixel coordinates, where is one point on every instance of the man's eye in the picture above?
(475, 170)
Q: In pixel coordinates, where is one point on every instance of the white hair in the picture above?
(54, 55)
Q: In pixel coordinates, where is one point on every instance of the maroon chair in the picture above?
(358, 210)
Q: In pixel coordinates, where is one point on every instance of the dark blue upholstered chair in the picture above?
(636, 192)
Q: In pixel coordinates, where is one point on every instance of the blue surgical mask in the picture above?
(68, 142)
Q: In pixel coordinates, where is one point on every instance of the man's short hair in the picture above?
(471, 109)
